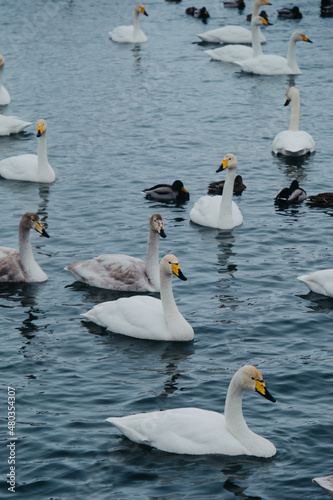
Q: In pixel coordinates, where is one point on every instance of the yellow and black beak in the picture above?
(143, 12)
(287, 101)
(266, 3)
(39, 228)
(265, 22)
(162, 233)
(223, 165)
(176, 270)
(261, 388)
(305, 39)
(40, 130)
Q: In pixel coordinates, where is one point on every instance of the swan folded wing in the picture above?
(319, 281)
(10, 266)
(206, 211)
(12, 125)
(230, 53)
(293, 142)
(22, 167)
(267, 65)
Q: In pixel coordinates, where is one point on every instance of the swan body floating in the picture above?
(319, 281)
(326, 483)
(4, 95)
(293, 142)
(28, 167)
(12, 125)
(321, 200)
(123, 272)
(166, 192)
(20, 266)
(217, 187)
(198, 13)
(290, 195)
(234, 34)
(270, 64)
(219, 211)
(293, 13)
(232, 53)
(146, 317)
(130, 34)
(194, 431)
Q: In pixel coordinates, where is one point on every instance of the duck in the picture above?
(293, 13)
(262, 13)
(270, 64)
(326, 11)
(198, 13)
(217, 187)
(220, 212)
(123, 272)
(29, 167)
(293, 142)
(326, 483)
(234, 34)
(290, 195)
(195, 431)
(130, 34)
(12, 125)
(319, 281)
(4, 95)
(166, 192)
(238, 52)
(17, 266)
(321, 200)
(234, 4)
(145, 317)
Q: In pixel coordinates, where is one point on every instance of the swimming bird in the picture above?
(321, 200)
(146, 317)
(262, 13)
(194, 431)
(319, 281)
(291, 194)
(293, 142)
(237, 52)
(326, 11)
(199, 13)
(326, 483)
(234, 4)
(219, 211)
(123, 272)
(29, 167)
(234, 34)
(12, 125)
(130, 34)
(217, 187)
(166, 192)
(20, 266)
(4, 95)
(270, 64)
(293, 13)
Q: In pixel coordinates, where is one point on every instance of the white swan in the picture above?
(29, 167)
(293, 142)
(232, 53)
(234, 34)
(12, 125)
(130, 34)
(20, 266)
(319, 281)
(145, 317)
(4, 95)
(199, 432)
(270, 64)
(122, 272)
(219, 211)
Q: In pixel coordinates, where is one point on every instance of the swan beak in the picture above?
(261, 388)
(39, 228)
(223, 166)
(39, 130)
(176, 270)
(287, 101)
(266, 3)
(305, 39)
(143, 12)
(266, 23)
(162, 233)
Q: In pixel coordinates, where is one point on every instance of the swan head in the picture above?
(156, 224)
(229, 161)
(2, 61)
(298, 36)
(258, 3)
(170, 265)
(249, 377)
(30, 220)
(259, 20)
(41, 127)
(139, 8)
(292, 92)
(179, 187)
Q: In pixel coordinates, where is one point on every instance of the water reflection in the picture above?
(226, 242)
(318, 303)
(293, 166)
(239, 474)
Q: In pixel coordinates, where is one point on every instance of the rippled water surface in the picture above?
(122, 118)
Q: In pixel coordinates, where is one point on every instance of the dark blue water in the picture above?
(122, 118)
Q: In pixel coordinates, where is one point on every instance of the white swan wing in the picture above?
(126, 34)
(319, 281)
(293, 142)
(22, 167)
(266, 64)
(10, 266)
(229, 34)
(230, 53)
(206, 211)
(12, 125)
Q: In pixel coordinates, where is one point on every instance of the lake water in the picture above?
(120, 119)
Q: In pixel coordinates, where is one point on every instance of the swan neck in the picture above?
(233, 412)
(291, 56)
(172, 315)
(152, 264)
(42, 152)
(226, 200)
(256, 7)
(294, 113)
(1, 70)
(27, 259)
(256, 45)
(136, 23)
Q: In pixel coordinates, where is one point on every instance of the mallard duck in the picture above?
(4, 95)
(130, 34)
(293, 142)
(28, 167)
(194, 431)
(199, 13)
(20, 266)
(234, 4)
(146, 317)
(293, 13)
(219, 211)
(262, 14)
(217, 187)
(12, 125)
(166, 192)
(326, 11)
(291, 194)
(321, 200)
(123, 272)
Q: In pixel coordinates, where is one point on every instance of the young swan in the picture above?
(20, 266)
(195, 431)
(29, 167)
(145, 317)
(123, 272)
(130, 34)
